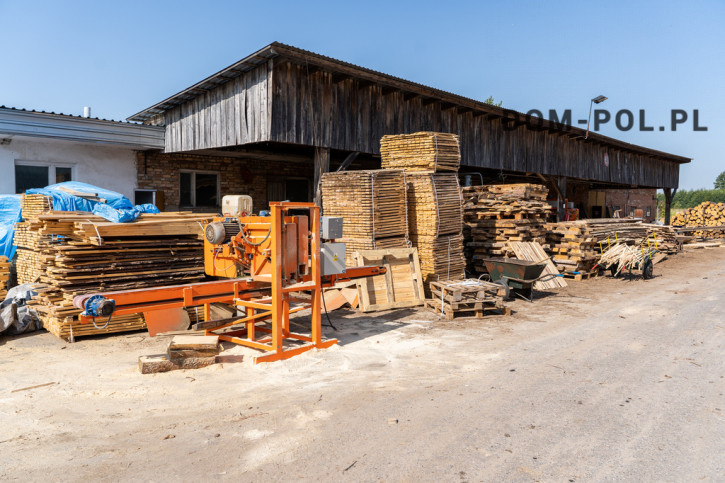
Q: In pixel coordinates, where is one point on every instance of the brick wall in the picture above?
(161, 172)
(628, 199)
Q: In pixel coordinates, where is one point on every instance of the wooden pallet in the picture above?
(400, 286)
(451, 298)
(577, 277)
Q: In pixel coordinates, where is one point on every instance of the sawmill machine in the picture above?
(269, 266)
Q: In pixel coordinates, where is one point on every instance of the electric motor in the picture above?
(218, 233)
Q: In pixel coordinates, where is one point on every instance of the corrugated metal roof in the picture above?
(276, 49)
(76, 116)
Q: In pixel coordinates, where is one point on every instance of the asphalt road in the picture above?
(607, 380)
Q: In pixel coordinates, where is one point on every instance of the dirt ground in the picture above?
(608, 379)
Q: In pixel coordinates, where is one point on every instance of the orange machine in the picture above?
(270, 264)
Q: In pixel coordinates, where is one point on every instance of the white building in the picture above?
(39, 148)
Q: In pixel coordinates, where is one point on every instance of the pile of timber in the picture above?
(435, 219)
(608, 231)
(76, 253)
(4, 277)
(497, 214)
(373, 207)
(421, 151)
(703, 215)
(572, 246)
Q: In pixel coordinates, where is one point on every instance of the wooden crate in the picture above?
(401, 285)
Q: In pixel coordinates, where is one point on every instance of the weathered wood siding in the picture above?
(289, 102)
(232, 114)
(315, 108)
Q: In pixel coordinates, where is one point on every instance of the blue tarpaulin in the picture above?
(117, 208)
(9, 215)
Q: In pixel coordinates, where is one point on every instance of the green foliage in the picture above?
(720, 181)
(492, 102)
(690, 198)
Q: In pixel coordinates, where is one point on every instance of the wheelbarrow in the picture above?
(517, 275)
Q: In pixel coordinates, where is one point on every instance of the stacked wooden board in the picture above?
(93, 255)
(421, 151)
(572, 247)
(373, 207)
(496, 214)
(434, 200)
(608, 231)
(704, 214)
(4, 277)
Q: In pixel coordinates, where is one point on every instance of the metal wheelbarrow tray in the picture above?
(518, 275)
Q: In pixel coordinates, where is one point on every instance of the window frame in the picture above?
(51, 165)
(194, 172)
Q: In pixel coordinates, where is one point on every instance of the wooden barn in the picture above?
(271, 123)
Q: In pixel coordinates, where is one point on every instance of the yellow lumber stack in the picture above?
(421, 151)
(372, 205)
(572, 246)
(435, 214)
(4, 277)
(497, 214)
(95, 255)
(704, 214)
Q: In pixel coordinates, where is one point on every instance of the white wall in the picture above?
(109, 167)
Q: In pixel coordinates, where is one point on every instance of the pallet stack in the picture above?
(704, 214)
(572, 247)
(435, 215)
(435, 218)
(421, 151)
(373, 207)
(467, 298)
(95, 255)
(496, 214)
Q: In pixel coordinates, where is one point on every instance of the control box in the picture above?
(332, 258)
(331, 227)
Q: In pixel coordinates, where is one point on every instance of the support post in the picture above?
(669, 194)
(322, 165)
(561, 185)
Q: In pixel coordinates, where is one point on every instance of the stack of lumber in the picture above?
(496, 214)
(95, 255)
(373, 207)
(4, 277)
(607, 231)
(703, 215)
(572, 247)
(184, 352)
(421, 151)
(468, 298)
(434, 204)
(435, 219)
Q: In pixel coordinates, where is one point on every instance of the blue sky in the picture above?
(121, 57)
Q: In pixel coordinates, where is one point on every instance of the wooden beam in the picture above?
(322, 165)
(348, 160)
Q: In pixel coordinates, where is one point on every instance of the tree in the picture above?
(720, 181)
(491, 102)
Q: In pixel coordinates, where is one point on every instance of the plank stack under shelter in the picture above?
(703, 215)
(373, 207)
(497, 214)
(421, 151)
(94, 255)
(572, 247)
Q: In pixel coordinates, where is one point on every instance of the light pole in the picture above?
(596, 100)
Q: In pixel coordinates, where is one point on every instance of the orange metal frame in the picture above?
(262, 301)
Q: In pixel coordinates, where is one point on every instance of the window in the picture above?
(631, 210)
(199, 188)
(289, 189)
(649, 212)
(39, 175)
